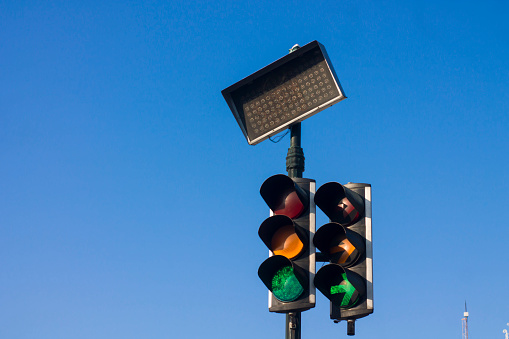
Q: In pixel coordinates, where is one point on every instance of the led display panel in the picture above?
(283, 93)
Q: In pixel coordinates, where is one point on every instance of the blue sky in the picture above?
(129, 202)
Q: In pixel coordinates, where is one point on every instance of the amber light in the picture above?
(346, 247)
(285, 242)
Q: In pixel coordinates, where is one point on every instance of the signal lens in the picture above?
(343, 251)
(291, 206)
(349, 299)
(285, 285)
(285, 242)
(348, 211)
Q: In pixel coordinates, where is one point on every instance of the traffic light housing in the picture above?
(346, 242)
(289, 271)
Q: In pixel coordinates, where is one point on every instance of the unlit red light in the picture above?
(350, 214)
(291, 206)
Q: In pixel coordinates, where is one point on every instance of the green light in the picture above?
(285, 285)
(345, 287)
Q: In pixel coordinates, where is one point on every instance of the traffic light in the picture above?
(346, 243)
(288, 272)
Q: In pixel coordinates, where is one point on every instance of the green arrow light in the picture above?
(345, 287)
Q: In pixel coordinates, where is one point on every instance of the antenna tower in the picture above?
(464, 323)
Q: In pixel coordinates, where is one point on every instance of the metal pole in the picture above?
(350, 327)
(292, 325)
(294, 167)
(295, 156)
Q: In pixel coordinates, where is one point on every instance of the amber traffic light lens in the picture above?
(344, 250)
(285, 242)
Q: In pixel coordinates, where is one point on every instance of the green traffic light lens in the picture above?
(285, 285)
(350, 294)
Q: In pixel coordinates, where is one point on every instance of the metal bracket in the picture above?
(350, 327)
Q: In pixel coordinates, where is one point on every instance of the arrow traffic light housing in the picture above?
(346, 242)
(288, 272)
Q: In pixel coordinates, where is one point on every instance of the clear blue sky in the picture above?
(129, 202)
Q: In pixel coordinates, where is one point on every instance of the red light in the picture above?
(291, 206)
(350, 214)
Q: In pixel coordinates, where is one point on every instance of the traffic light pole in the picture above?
(295, 156)
(292, 325)
(294, 167)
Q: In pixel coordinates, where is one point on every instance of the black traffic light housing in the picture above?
(289, 271)
(346, 242)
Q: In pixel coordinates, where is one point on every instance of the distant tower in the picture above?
(464, 323)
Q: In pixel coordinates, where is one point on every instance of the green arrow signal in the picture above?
(345, 287)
